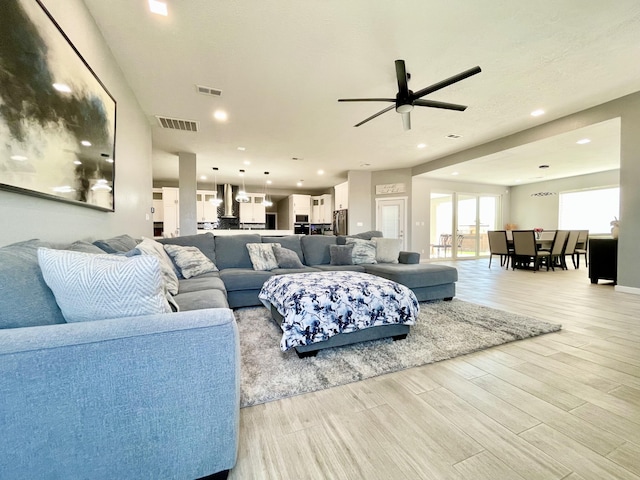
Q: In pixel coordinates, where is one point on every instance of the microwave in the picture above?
(302, 219)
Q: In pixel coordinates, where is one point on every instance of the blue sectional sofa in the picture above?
(152, 396)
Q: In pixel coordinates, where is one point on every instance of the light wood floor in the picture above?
(564, 405)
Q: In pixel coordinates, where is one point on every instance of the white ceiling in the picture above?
(281, 66)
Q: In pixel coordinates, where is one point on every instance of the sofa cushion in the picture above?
(364, 251)
(243, 278)
(96, 287)
(292, 242)
(286, 258)
(341, 254)
(368, 235)
(149, 246)
(206, 281)
(204, 242)
(190, 261)
(121, 243)
(303, 269)
(387, 249)
(85, 247)
(25, 298)
(212, 298)
(262, 256)
(316, 249)
(415, 275)
(339, 268)
(231, 251)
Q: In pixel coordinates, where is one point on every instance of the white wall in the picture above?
(360, 217)
(532, 212)
(24, 217)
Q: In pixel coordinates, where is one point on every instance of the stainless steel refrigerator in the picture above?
(340, 222)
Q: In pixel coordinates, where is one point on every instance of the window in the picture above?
(590, 210)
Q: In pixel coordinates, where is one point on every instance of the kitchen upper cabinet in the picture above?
(321, 209)
(253, 211)
(158, 207)
(301, 204)
(205, 210)
(342, 196)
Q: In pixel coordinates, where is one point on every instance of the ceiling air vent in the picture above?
(214, 92)
(453, 136)
(177, 124)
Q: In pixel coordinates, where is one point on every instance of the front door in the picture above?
(391, 218)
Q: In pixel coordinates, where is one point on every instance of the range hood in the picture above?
(228, 201)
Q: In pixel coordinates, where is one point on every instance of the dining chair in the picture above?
(570, 249)
(557, 249)
(498, 246)
(526, 251)
(581, 248)
(444, 243)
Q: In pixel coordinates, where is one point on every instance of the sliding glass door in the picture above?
(473, 216)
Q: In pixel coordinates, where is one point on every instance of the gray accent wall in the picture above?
(360, 217)
(24, 217)
(627, 108)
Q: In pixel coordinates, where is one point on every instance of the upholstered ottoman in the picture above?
(428, 281)
(328, 309)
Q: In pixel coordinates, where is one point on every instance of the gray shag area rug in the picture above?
(443, 330)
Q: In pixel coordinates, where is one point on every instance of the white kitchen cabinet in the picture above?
(171, 213)
(205, 210)
(158, 207)
(342, 196)
(321, 209)
(253, 211)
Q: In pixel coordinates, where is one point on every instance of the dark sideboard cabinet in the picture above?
(603, 259)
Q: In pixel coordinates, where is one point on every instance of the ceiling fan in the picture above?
(406, 99)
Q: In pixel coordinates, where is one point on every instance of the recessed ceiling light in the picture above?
(583, 141)
(86, 143)
(159, 8)
(269, 182)
(537, 113)
(18, 158)
(247, 162)
(422, 145)
(77, 162)
(108, 160)
(299, 184)
(320, 172)
(518, 180)
(242, 173)
(455, 173)
(220, 115)
(203, 177)
(61, 87)
(242, 149)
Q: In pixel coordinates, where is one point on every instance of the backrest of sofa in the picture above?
(292, 242)
(204, 242)
(368, 235)
(231, 250)
(25, 298)
(316, 248)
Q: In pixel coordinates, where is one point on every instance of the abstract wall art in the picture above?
(57, 119)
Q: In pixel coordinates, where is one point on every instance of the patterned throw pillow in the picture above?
(190, 260)
(149, 246)
(364, 251)
(387, 249)
(286, 257)
(90, 286)
(262, 256)
(341, 254)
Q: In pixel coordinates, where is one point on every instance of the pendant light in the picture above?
(242, 194)
(267, 200)
(215, 201)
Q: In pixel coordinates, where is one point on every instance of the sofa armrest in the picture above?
(409, 257)
(154, 396)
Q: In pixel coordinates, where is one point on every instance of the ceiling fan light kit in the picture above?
(407, 99)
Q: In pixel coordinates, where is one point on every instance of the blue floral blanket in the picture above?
(316, 306)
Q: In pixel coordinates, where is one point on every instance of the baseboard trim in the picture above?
(631, 290)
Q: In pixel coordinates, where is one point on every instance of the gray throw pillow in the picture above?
(190, 260)
(121, 243)
(97, 287)
(262, 256)
(341, 254)
(387, 249)
(364, 251)
(286, 257)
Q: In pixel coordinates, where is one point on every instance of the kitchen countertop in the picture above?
(266, 233)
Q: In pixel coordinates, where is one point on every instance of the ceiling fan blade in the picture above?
(435, 104)
(375, 115)
(445, 83)
(366, 99)
(406, 121)
(401, 75)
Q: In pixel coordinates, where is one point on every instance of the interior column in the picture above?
(187, 183)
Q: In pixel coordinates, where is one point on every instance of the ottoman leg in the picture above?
(399, 337)
(312, 353)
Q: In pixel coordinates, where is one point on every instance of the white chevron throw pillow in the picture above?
(97, 287)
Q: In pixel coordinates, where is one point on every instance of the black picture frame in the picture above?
(57, 119)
